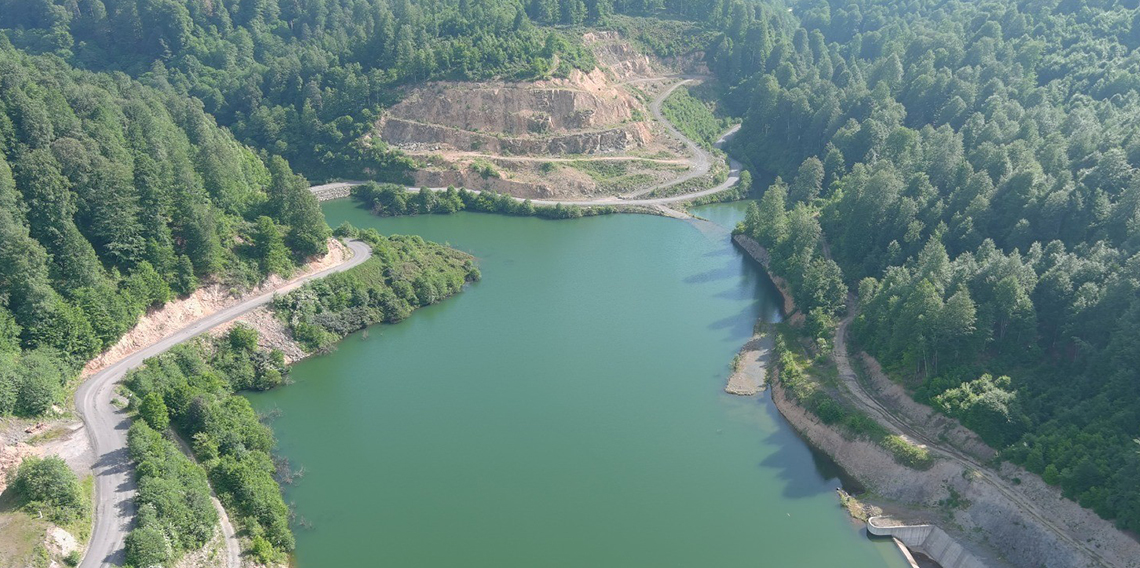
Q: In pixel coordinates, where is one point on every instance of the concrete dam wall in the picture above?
(927, 539)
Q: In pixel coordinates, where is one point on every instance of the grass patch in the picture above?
(694, 117)
(485, 169)
(23, 532)
(906, 453)
(54, 433)
(21, 536)
(616, 176)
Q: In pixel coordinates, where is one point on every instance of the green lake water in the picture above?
(566, 411)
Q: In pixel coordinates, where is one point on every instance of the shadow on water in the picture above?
(786, 459)
(722, 273)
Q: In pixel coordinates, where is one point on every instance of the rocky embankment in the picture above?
(986, 514)
(207, 300)
(585, 134)
(984, 519)
(760, 254)
(410, 134)
(750, 368)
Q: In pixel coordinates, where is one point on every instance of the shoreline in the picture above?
(968, 504)
(969, 511)
(106, 424)
(760, 255)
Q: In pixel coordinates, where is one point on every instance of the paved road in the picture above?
(107, 426)
(701, 163)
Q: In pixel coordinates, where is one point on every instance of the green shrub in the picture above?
(146, 546)
(906, 453)
(173, 498)
(73, 558)
(153, 411)
(49, 486)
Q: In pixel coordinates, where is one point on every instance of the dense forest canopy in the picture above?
(968, 169)
(304, 78)
(972, 167)
(115, 197)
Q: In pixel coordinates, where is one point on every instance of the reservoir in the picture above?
(566, 411)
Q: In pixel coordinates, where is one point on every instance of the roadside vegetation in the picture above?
(193, 388)
(404, 273)
(695, 118)
(616, 177)
(175, 514)
(806, 381)
(48, 488)
(43, 493)
(391, 200)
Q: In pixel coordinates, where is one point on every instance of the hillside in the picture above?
(591, 133)
(960, 178)
(972, 176)
(115, 198)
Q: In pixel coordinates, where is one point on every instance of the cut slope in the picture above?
(589, 134)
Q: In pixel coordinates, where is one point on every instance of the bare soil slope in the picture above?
(585, 135)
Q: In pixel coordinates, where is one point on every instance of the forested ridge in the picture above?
(972, 167)
(114, 198)
(304, 79)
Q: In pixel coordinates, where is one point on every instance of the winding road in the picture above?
(107, 427)
(107, 424)
(699, 165)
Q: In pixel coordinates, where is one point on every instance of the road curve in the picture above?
(107, 426)
(702, 163)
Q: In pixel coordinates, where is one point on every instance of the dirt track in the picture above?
(884, 415)
(701, 163)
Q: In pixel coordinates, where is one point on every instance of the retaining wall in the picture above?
(927, 539)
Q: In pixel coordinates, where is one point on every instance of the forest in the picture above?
(966, 169)
(191, 388)
(304, 79)
(969, 170)
(114, 198)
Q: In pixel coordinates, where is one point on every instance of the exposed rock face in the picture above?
(760, 254)
(206, 300)
(557, 137)
(583, 114)
(618, 55)
(583, 101)
(405, 132)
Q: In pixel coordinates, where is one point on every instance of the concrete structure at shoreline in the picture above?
(927, 539)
